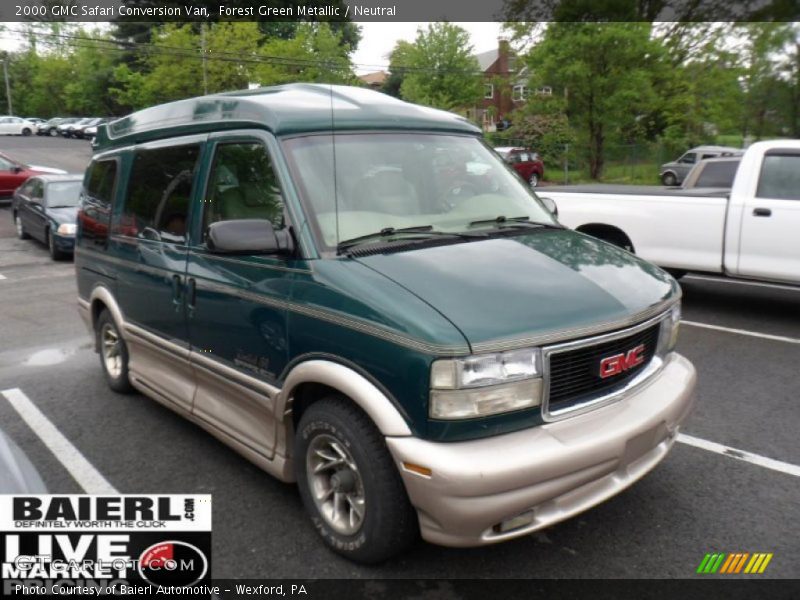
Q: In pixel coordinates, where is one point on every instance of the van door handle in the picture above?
(191, 292)
(176, 290)
(762, 212)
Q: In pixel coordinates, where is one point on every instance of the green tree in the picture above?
(314, 54)
(442, 70)
(605, 72)
(398, 63)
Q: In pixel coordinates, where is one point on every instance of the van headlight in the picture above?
(486, 384)
(668, 337)
(66, 229)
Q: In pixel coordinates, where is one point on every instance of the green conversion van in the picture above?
(359, 296)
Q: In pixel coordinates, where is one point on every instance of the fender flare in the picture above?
(355, 386)
(103, 294)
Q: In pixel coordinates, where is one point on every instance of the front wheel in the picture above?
(534, 180)
(113, 353)
(349, 483)
(21, 233)
(55, 253)
(53, 132)
(26, 131)
(669, 179)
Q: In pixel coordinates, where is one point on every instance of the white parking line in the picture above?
(756, 459)
(764, 336)
(68, 455)
(777, 286)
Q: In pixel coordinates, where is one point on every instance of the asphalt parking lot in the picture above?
(743, 338)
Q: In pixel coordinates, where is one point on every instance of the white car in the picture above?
(16, 126)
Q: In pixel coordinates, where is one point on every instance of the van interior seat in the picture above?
(249, 201)
(387, 192)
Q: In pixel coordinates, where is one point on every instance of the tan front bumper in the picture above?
(556, 470)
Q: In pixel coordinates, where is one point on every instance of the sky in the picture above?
(378, 39)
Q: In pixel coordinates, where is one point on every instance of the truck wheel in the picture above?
(534, 180)
(113, 353)
(349, 483)
(669, 179)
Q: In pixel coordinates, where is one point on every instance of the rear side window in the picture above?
(102, 179)
(159, 193)
(718, 174)
(780, 177)
(98, 198)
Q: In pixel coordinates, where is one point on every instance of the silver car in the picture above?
(673, 173)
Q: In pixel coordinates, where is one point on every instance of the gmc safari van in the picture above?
(359, 296)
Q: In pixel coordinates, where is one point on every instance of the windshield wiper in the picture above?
(503, 221)
(387, 232)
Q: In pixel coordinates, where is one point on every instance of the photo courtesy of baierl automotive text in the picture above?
(442, 301)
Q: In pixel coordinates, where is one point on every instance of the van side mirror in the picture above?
(248, 236)
(550, 205)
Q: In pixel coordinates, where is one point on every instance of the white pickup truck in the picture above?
(751, 231)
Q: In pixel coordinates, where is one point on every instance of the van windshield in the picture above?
(393, 181)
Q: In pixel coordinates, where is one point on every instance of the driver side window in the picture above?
(243, 185)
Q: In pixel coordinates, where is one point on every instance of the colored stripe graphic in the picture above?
(734, 563)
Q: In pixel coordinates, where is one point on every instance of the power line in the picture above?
(150, 48)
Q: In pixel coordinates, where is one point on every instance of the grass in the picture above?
(634, 174)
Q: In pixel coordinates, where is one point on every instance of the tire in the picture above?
(21, 233)
(53, 132)
(365, 476)
(534, 180)
(55, 253)
(113, 360)
(26, 131)
(669, 179)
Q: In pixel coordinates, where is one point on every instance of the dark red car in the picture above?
(525, 162)
(14, 173)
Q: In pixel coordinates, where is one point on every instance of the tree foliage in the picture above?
(441, 69)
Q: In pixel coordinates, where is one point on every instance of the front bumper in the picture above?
(64, 243)
(556, 470)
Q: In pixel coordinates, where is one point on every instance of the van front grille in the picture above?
(575, 374)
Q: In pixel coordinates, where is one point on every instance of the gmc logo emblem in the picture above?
(614, 365)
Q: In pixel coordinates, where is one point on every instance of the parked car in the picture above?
(525, 162)
(418, 353)
(17, 473)
(16, 126)
(748, 231)
(67, 128)
(49, 127)
(13, 173)
(712, 173)
(46, 207)
(35, 120)
(79, 131)
(673, 173)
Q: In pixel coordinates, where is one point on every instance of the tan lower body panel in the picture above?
(550, 472)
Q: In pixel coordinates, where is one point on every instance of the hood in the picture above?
(40, 169)
(539, 285)
(63, 215)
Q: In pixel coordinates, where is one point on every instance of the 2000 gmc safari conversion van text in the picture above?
(358, 295)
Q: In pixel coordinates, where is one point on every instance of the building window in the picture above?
(488, 90)
(519, 93)
(544, 91)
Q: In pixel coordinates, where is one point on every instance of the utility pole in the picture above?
(8, 84)
(205, 59)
